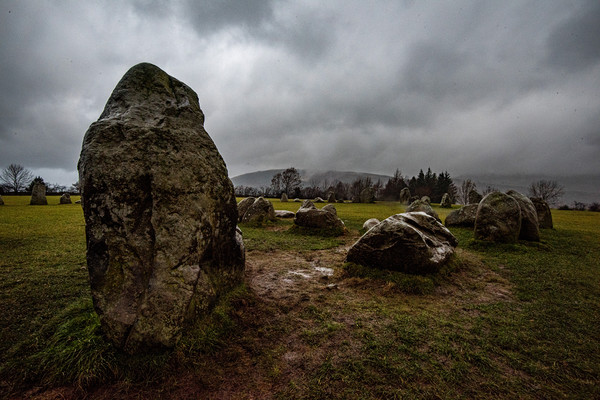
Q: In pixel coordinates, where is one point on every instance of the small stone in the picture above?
(65, 199)
(420, 205)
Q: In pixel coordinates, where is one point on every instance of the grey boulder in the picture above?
(530, 226)
(413, 242)
(310, 216)
(464, 216)
(543, 212)
(260, 211)
(498, 218)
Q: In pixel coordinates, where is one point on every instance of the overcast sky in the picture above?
(464, 86)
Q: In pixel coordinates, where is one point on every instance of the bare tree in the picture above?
(464, 190)
(276, 183)
(290, 180)
(549, 191)
(16, 177)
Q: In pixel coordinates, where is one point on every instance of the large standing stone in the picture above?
(160, 212)
(243, 206)
(260, 211)
(530, 226)
(420, 205)
(498, 218)
(38, 195)
(284, 198)
(464, 216)
(414, 243)
(543, 212)
(426, 199)
(405, 196)
(310, 216)
(446, 202)
(65, 199)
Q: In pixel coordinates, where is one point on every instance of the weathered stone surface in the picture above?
(1, 201)
(160, 212)
(243, 206)
(464, 216)
(310, 216)
(474, 197)
(65, 199)
(297, 200)
(446, 202)
(38, 195)
(543, 212)
(284, 198)
(426, 199)
(370, 223)
(498, 218)
(319, 200)
(260, 211)
(367, 195)
(284, 214)
(413, 199)
(330, 208)
(331, 197)
(530, 226)
(420, 205)
(405, 196)
(414, 243)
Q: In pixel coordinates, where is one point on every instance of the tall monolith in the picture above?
(160, 212)
(38, 195)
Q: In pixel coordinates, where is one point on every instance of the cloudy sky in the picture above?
(464, 86)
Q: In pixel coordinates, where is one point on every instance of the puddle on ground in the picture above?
(308, 274)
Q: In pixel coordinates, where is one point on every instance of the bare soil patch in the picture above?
(303, 312)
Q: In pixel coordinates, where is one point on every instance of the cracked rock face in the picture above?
(160, 212)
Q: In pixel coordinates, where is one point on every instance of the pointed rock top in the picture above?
(146, 91)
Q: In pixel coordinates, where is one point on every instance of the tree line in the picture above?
(423, 184)
(17, 179)
(289, 182)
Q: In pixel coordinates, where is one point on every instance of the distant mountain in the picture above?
(260, 179)
(581, 188)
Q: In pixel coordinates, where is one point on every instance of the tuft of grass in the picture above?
(399, 281)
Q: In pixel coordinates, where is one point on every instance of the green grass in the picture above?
(505, 321)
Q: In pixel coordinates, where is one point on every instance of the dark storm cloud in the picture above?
(463, 85)
(575, 43)
(210, 17)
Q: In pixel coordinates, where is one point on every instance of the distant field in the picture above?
(505, 321)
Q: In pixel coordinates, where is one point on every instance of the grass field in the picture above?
(505, 321)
